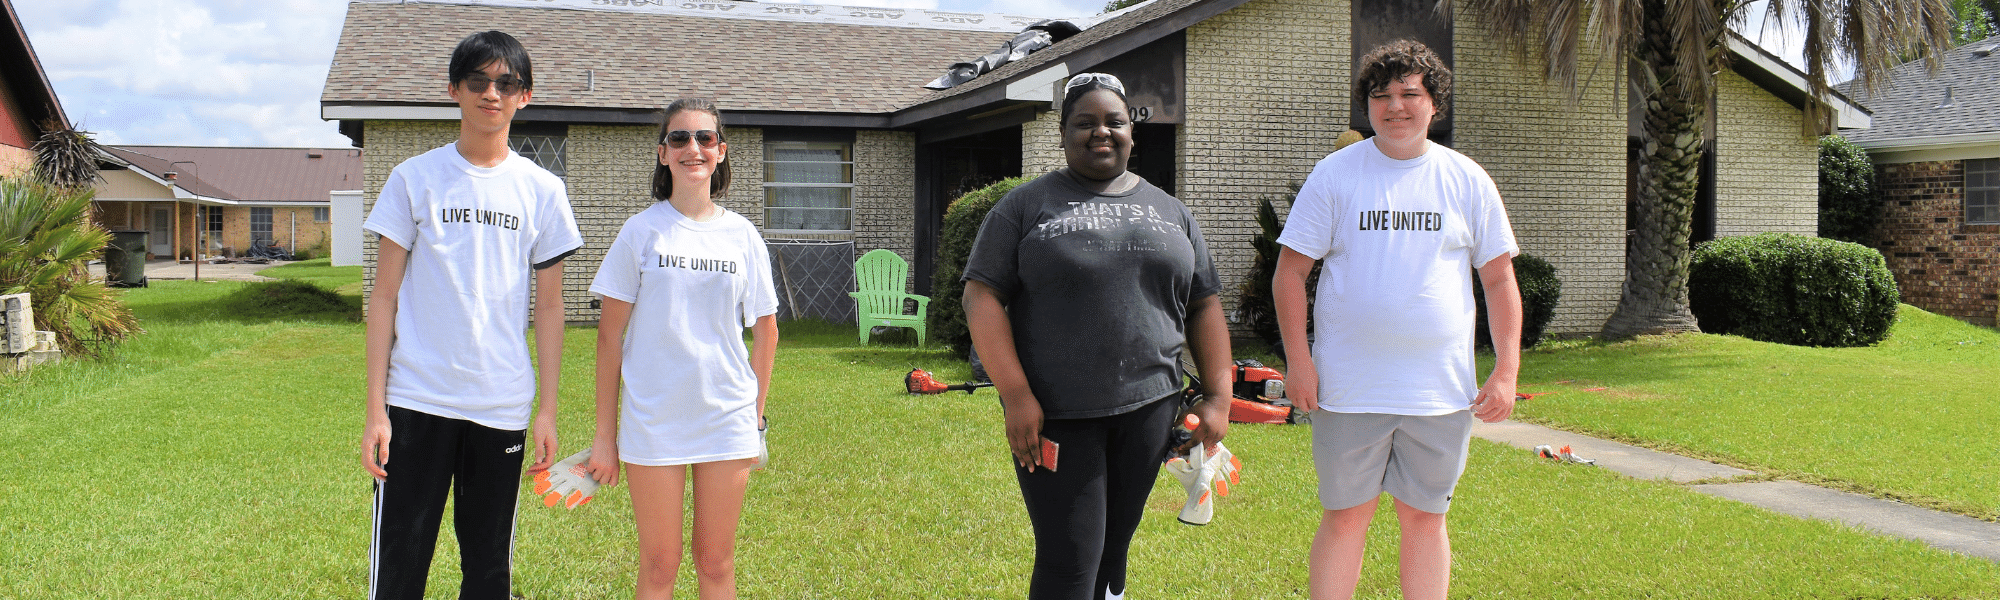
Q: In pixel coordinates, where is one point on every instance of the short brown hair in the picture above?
(663, 180)
(1398, 59)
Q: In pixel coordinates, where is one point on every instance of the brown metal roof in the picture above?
(397, 53)
(250, 174)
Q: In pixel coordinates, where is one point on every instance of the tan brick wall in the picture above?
(1942, 264)
(1560, 167)
(389, 144)
(1767, 169)
(1260, 112)
(885, 192)
(1041, 144)
(610, 178)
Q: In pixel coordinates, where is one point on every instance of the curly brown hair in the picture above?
(1397, 59)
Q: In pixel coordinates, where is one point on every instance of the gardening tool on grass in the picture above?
(920, 381)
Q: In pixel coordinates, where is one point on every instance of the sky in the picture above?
(249, 72)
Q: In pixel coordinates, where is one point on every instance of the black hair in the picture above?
(1076, 93)
(663, 179)
(480, 49)
(1398, 59)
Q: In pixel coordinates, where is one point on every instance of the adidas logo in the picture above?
(516, 448)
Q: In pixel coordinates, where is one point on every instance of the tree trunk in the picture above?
(1654, 299)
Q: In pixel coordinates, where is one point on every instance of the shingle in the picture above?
(1907, 104)
(398, 53)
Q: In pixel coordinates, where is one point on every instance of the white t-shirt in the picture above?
(689, 394)
(1394, 313)
(474, 234)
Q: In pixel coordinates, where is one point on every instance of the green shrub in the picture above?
(1256, 303)
(1540, 291)
(46, 239)
(1849, 208)
(291, 299)
(961, 227)
(1792, 289)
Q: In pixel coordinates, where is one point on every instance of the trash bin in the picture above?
(125, 259)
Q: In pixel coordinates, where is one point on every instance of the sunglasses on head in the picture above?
(1083, 79)
(678, 138)
(508, 84)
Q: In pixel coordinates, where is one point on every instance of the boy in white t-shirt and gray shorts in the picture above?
(1399, 222)
(463, 229)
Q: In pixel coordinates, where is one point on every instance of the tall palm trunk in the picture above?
(1654, 298)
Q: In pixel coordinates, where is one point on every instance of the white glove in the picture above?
(1202, 473)
(567, 482)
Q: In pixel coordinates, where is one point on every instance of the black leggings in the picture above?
(1085, 512)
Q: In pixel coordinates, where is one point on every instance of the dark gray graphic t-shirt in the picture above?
(1097, 287)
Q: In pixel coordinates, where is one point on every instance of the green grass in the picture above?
(320, 270)
(1911, 418)
(217, 456)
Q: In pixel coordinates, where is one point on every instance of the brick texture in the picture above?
(884, 192)
(1560, 166)
(1767, 169)
(1941, 264)
(1257, 120)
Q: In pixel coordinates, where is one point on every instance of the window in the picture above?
(1982, 191)
(214, 218)
(260, 223)
(809, 184)
(320, 215)
(544, 143)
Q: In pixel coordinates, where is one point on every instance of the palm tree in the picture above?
(1676, 49)
(46, 238)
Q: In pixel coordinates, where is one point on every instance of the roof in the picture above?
(249, 174)
(22, 71)
(397, 54)
(1910, 107)
(1093, 36)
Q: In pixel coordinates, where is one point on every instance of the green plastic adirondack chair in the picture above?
(880, 275)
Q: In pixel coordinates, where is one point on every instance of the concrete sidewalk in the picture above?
(171, 270)
(1947, 531)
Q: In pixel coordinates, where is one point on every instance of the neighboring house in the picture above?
(216, 202)
(27, 101)
(1936, 148)
(833, 137)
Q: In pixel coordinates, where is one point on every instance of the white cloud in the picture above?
(224, 72)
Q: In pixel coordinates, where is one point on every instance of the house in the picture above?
(200, 201)
(1936, 149)
(1236, 99)
(27, 101)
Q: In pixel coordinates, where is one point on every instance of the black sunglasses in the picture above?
(678, 138)
(508, 84)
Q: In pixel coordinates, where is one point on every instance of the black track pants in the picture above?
(430, 456)
(1085, 512)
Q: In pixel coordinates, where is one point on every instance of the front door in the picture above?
(162, 226)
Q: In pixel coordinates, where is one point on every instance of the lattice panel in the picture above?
(813, 279)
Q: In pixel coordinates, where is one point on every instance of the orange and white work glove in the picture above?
(567, 483)
(1206, 474)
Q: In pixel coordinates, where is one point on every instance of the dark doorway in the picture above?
(948, 169)
(1153, 154)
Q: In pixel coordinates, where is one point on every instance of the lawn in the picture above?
(1911, 418)
(216, 456)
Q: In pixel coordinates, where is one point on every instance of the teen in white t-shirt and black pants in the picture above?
(449, 384)
(679, 285)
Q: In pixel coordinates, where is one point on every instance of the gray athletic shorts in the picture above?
(1417, 459)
